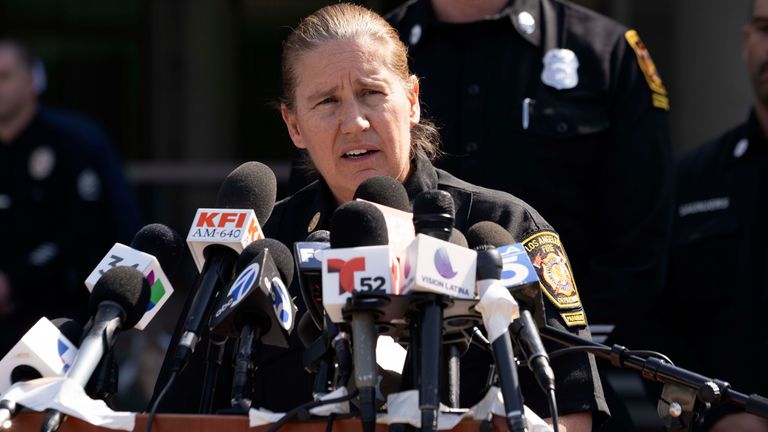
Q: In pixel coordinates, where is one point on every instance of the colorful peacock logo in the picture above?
(157, 290)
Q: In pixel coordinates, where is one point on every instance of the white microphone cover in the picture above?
(65, 395)
(497, 307)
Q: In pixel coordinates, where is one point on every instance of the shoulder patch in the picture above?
(554, 271)
(659, 98)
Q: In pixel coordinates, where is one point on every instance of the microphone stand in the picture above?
(682, 388)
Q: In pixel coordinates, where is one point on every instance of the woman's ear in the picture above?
(289, 117)
(413, 99)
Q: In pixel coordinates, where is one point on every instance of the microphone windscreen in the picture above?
(252, 185)
(283, 259)
(125, 286)
(433, 202)
(308, 331)
(248, 254)
(319, 236)
(280, 254)
(71, 329)
(458, 238)
(358, 223)
(384, 190)
(162, 242)
(487, 233)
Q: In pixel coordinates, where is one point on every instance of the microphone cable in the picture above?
(153, 409)
(304, 409)
(611, 350)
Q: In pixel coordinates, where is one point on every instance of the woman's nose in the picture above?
(353, 118)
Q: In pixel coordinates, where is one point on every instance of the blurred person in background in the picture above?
(718, 284)
(63, 200)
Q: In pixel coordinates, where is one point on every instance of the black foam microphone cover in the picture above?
(384, 190)
(433, 202)
(125, 286)
(162, 242)
(70, 328)
(433, 214)
(252, 185)
(487, 233)
(458, 238)
(358, 223)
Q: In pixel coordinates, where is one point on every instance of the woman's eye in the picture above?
(370, 92)
(327, 101)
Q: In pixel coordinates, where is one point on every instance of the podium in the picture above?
(30, 422)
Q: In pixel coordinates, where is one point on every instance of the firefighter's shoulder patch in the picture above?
(554, 271)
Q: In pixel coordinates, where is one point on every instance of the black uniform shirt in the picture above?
(311, 208)
(718, 291)
(593, 159)
(63, 204)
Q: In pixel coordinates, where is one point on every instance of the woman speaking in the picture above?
(351, 103)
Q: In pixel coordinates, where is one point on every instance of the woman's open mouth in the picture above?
(358, 154)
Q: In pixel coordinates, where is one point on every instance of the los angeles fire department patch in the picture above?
(554, 271)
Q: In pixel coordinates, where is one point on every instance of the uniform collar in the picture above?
(423, 177)
(420, 13)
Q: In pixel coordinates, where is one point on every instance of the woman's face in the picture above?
(352, 114)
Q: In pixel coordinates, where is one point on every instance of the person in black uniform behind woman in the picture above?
(351, 103)
(714, 308)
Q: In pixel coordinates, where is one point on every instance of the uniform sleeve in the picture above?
(627, 263)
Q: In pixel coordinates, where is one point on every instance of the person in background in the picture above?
(718, 284)
(63, 201)
(564, 108)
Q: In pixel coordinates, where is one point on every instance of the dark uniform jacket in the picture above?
(63, 204)
(311, 208)
(589, 149)
(715, 305)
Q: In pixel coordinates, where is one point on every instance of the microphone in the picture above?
(358, 270)
(435, 268)
(310, 273)
(390, 197)
(519, 276)
(216, 238)
(258, 308)
(498, 308)
(155, 251)
(117, 302)
(384, 190)
(47, 349)
(319, 355)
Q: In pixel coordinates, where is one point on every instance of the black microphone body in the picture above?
(433, 214)
(356, 224)
(118, 302)
(217, 271)
(257, 308)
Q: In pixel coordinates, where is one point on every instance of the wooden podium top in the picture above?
(30, 422)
